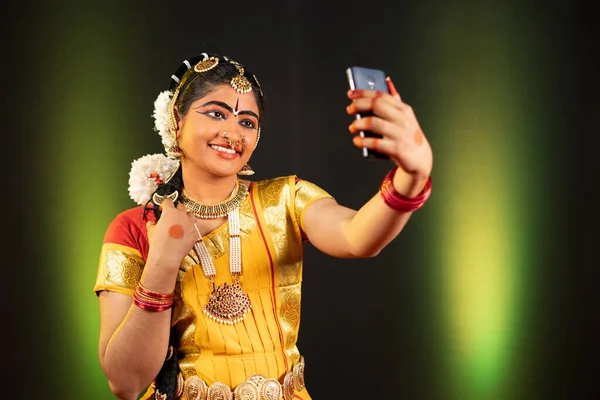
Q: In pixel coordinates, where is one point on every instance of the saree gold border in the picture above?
(276, 200)
(119, 266)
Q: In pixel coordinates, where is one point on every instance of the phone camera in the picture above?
(371, 81)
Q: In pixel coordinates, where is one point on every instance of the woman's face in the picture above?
(200, 133)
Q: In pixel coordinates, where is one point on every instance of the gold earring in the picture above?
(246, 170)
(174, 152)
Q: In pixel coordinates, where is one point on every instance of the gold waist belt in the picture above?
(256, 387)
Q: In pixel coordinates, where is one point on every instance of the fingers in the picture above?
(392, 89)
(386, 108)
(372, 124)
(376, 144)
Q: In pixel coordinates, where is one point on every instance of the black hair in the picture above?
(193, 86)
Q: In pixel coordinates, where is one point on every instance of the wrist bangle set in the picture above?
(401, 203)
(152, 301)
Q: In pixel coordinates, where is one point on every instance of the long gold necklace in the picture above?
(206, 211)
(227, 304)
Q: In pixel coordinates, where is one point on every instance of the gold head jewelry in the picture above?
(258, 84)
(180, 385)
(207, 64)
(257, 138)
(240, 83)
(158, 199)
(172, 119)
(160, 396)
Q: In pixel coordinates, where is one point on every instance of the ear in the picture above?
(178, 121)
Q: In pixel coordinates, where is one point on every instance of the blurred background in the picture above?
(488, 293)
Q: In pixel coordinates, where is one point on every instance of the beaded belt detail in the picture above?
(256, 387)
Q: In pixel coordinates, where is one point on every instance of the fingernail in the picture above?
(391, 86)
(351, 109)
(353, 94)
(358, 141)
(352, 128)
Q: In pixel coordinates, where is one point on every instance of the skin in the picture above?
(129, 356)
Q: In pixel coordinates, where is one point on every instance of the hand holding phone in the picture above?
(368, 79)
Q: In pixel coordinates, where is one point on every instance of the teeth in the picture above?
(223, 149)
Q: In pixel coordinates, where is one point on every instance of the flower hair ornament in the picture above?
(152, 170)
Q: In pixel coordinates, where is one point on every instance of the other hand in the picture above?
(402, 138)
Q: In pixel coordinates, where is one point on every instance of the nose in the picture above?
(235, 139)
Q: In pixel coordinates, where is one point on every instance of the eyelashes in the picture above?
(220, 116)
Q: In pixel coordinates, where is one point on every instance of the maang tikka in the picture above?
(240, 83)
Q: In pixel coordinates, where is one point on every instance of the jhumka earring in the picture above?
(174, 152)
(246, 170)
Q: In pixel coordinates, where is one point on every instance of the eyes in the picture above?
(220, 116)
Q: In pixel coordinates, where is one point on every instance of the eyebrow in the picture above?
(226, 106)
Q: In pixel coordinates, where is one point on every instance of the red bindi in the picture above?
(176, 231)
(237, 103)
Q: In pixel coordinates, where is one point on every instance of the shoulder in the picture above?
(131, 221)
(280, 180)
(291, 182)
(274, 185)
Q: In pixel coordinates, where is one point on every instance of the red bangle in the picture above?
(147, 292)
(152, 301)
(401, 203)
(150, 305)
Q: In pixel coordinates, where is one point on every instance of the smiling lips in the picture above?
(224, 152)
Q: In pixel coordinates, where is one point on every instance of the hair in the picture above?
(193, 86)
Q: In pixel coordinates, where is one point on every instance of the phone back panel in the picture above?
(369, 79)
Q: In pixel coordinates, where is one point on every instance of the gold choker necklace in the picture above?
(238, 195)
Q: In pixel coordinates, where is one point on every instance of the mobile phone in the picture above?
(369, 79)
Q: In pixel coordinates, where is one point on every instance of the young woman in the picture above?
(200, 284)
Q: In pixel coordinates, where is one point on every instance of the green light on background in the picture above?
(85, 165)
(479, 171)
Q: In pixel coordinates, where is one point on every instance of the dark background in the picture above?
(79, 83)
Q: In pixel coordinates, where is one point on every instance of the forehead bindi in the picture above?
(235, 100)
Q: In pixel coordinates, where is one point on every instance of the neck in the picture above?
(207, 188)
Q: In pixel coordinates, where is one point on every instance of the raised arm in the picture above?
(343, 232)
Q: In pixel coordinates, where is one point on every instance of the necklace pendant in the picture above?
(228, 304)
